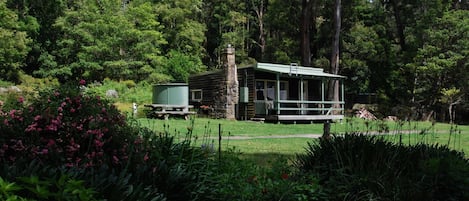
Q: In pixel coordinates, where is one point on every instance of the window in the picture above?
(265, 90)
(196, 95)
(260, 90)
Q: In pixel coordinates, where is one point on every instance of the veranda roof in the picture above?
(294, 70)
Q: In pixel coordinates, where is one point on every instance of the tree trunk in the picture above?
(333, 90)
(450, 111)
(305, 31)
(399, 24)
(260, 9)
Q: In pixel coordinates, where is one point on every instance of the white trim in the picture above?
(194, 93)
(265, 88)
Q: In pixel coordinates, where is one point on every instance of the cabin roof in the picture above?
(294, 70)
(282, 69)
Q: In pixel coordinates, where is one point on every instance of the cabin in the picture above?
(266, 91)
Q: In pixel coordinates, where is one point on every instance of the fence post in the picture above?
(326, 130)
(219, 142)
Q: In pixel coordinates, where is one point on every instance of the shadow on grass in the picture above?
(266, 159)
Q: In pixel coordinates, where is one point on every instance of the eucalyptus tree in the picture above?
(184, 30)
(106, 39)
(334, 68)
(182, 25)
(14, 44)
(442, 62)
(229, 22)
(38, 17)
(259, 7)
(282, 21)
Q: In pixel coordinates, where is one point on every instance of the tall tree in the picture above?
(442, 62)
(305, 30)
(282, 21)
(183, 27)
(228, 23)
(14, 44)
(107, 39)
(334, 68)
(260, 8)
(39, 17)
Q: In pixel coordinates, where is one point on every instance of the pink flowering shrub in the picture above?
(64, 126)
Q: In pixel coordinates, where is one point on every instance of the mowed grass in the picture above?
(205, 131)
(201, 126)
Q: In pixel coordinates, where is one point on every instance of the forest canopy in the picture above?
(405, 52)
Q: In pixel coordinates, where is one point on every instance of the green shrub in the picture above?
(129, 83)
(65, 127)
(128, 91)
(84, 136)
(34, 188)
(232, 178)
(358, 167)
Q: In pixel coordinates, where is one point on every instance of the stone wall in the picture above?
(227, 95)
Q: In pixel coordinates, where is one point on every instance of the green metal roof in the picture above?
(295, 70)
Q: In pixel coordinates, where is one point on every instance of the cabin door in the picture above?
(265, 96)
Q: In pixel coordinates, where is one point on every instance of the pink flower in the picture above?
(98, 143)
(32, 127)
(115, 159)
(80, 127)
(21, 99)
(82, 82)
(51, 127)
(12, 113)
(145, 158)
(50, 143)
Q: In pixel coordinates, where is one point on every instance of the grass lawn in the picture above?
(206, 132)
(202, 126)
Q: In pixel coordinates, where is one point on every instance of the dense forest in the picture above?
(408, 53)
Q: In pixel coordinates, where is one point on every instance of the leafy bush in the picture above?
(34, 188)
(128, 91)
(65, 127)
(81, 135)
(357, 167)
(233, 178)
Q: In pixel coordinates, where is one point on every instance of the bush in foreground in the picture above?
(66, 131)
(358, 167)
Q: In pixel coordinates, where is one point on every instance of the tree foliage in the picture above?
(14, 44)
(404, 51)
(107, 39)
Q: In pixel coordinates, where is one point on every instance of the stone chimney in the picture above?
(231, 82)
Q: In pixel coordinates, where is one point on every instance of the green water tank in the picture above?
(171, 94)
